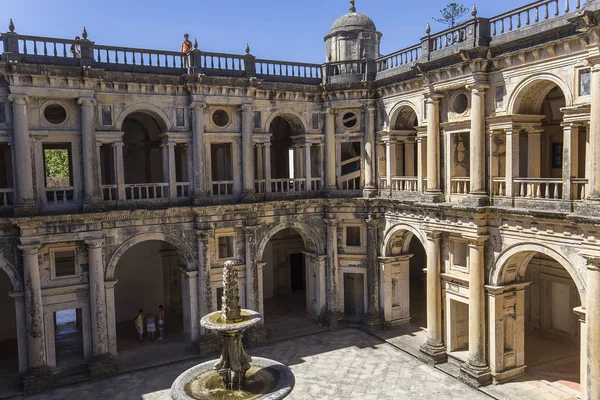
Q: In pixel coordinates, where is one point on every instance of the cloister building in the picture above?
(453, 185)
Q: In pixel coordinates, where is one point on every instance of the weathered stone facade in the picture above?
(481, 143)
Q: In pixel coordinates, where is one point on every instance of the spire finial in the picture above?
(428, 29)
(352, 6)
(247, 48)
(11, 26)
(474, 11)
(84, 33)
(195, 44)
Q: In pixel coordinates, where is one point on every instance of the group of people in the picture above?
(150, 321)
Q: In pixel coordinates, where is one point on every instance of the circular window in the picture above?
(55, 114)
(460, 103)
(349, 120)
(220, 118)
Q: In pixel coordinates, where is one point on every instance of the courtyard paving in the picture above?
(346, 364)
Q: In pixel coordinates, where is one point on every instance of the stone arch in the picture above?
(519, 255)
(13, 275)
(184, 251)
(528, 96)
(299, 125)
(155, 112)
(398, 228)
(303, 230)
(398, 111)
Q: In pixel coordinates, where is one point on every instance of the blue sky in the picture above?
(290, 30)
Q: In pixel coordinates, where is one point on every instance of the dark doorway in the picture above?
(297, 272)
(68, 337)
(354, 297)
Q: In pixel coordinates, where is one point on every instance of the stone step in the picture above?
(71, 374)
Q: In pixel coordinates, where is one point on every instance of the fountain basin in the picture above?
(216, 321)
(265, 380)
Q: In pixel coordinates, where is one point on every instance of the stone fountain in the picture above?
(235, 375)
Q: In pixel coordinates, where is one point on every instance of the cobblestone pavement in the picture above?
(346, 364)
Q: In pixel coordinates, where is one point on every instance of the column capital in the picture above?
(29, 249)
(246, 108)
(334, 222)
(168, 143)
(478, 241)
(433, 97)
(118, 144)
(370, 109)
(593, 263)
(267, 145)
(20, 99)
(572, 125)
(198, 105)
(251, 229)
(477, 87)
(94, 243)
(205, 234)
(330, 111)
(433, 235)
(87, 102)
(372, 221)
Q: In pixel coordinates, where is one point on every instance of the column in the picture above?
(373, 319)
(97, 297)
(252, 282)
(189, 293)
(204, 279)
(421, 171)
(236, 159)
(333, 274)
(267, 149)
(477, 140)
(570, 160)
(308, 166)
(119, 170)
(247, 148)
(91, 162)
(260, 166)
(370, 158)
(476, 370)
(592, 382)
(169, 172)
(434, 346)
(22, 160)
(36, 347)
(199, 170)
(298, 167)
(594, 159)
(433, 143)
(388, 163)
(512, 161)
(330, 159)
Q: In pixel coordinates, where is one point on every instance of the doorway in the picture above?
(68, 337)
(354, 297)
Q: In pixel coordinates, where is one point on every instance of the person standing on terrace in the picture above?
(186, 48)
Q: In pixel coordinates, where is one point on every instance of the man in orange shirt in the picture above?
(186, 48)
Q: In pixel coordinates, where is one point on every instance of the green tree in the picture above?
(57, 163)
(451, 14)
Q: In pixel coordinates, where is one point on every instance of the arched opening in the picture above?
(535, 313)
(287, 169)
(287, 286)
(9, 356)
(148, 275)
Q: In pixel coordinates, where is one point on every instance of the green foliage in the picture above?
(452, 13)
(57, 163)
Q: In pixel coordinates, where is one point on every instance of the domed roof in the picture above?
(353, 21)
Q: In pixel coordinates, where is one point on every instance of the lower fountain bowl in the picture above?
(265, 380)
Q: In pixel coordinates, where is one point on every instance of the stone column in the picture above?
(373, 319)
(434, 350)
(370, 157)
(330, 151)
(199, 170)
(433, 143)
(421, 172)
(267, 149)
(251, 268)
(477, 140)
(307, 166)
(236, 157)
(333, 274)
(189, 293)
(570, 160)
(23, 166)
(102, 364)
(409, 159)
(204, 280)
(169, 172)
(91, 162)
(580, 312)
(388, 163)
(594, 159)
(119, 170)
(512, 161)
(592, 382)
(247, 149)
(475, 371)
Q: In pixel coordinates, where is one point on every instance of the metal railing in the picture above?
(546, 188)
(147, 191)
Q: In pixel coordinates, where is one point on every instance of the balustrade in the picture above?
(460, 185)
(141, 57)
(6, 197)
(183, 189)
(147, 191)
(222, 188)
(222, 61)
(260, 186)
(549, 188)
(409, 55)
(579, 191)
(288, 185)
(110, 192)
(288, 69)
(499, 186)
(316, 184)
(58, 195)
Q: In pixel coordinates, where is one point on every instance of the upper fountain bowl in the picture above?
(216, 321)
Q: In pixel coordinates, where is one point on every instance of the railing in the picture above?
(499, 186)
(409, 55)
(288, 185)
(351, 67)
(222, 61)
(350, 181)
(134, 56)
(147, 191)
(549, 188)
(222, 188)
(110, 192)
(285, 68)
(531, 14)
(6, 197)
(44, 46)
(260, 186)
(183, 189)
(449, 37)
(315, 184)
(405, 183)
(57, 195)
(460, 185)
(579, 191)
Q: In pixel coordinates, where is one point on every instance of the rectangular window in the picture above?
(2, 112)
(585, 80)
(499, 96)
(106, 115)
(257, 119)
(459, 254)
(180, 116)
(353, 236)
(225, 247)
(57, 165)
(315, 121)
(64, 263)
